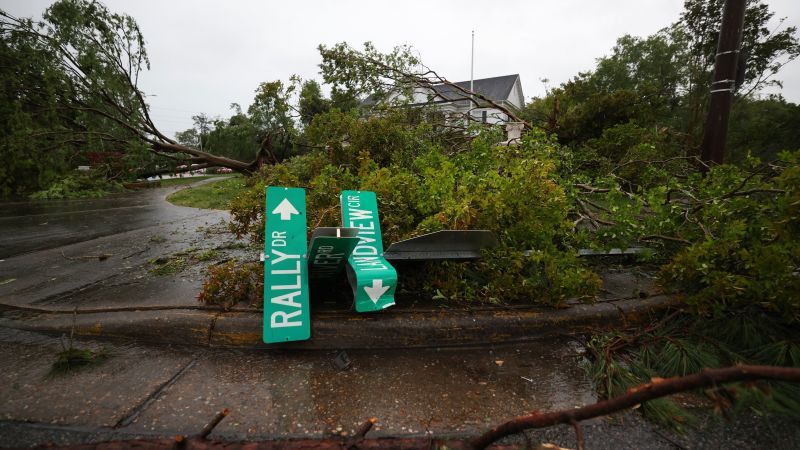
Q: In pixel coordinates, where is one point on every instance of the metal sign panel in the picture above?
(329, 250)
(442, 245)
(374, 280)
(286, 310)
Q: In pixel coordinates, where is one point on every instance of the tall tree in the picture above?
(663, 81)
(392, 78)
(765, 49)
(311, 102)
(75, 84)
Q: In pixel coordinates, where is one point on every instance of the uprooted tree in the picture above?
(72, 81)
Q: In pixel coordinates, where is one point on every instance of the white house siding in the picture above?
(493, 116)
(515, 96)
(462, 107)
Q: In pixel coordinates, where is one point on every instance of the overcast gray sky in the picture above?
(206, 55)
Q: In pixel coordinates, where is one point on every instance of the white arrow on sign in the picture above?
(285, 209)
(376, 290)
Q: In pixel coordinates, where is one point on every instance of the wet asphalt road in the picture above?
(49, 251)
(39, 225)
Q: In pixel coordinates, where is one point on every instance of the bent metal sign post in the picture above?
(372, 277)
(286, 308)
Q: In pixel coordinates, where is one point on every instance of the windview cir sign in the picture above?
(373, 279)
(286, 308)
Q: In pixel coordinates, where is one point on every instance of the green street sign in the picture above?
(330, 249)
(286, 310)
(373, 279)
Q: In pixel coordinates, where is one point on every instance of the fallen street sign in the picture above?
(372, 277)
(286, 310)
(329, 250)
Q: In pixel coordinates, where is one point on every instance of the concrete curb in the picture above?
(398, 328)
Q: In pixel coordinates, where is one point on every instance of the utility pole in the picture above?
(724, 84)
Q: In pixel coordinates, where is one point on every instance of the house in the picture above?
(504, 90)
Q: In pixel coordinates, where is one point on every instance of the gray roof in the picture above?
(495, 88)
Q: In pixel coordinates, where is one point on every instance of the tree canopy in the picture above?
(662, 81)
(72, 81)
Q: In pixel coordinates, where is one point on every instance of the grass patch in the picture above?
(180, 261)
(71, 359)
(207, 255)
(168, 265)
(215, 195)
(158, 239)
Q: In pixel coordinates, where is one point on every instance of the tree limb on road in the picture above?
(640, 394)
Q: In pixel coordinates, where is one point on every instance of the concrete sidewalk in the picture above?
(425, 395)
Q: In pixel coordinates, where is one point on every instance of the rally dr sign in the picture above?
(372, 277)
(286, 309)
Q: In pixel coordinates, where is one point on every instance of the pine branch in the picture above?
(656, 389)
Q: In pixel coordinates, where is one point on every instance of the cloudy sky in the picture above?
(206, 55)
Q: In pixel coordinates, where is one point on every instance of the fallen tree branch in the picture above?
(591, 189)
(365, 427)
(693, 159)
(101, 257)
(753, 191)
(213, 424)
(579, 442)
(653, 237)
(596, 221)
(637, 395)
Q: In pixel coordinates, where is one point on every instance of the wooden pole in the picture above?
(724, 84)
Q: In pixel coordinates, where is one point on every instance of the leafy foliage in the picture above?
(661, 82)
(382, 76)
(70, 358)
(232, 282)
(746, 248)
(512, 191)
(611, 165)
(763, 128)
(79, 185)
(71, 87)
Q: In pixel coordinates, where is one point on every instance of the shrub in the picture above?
(233, 282)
